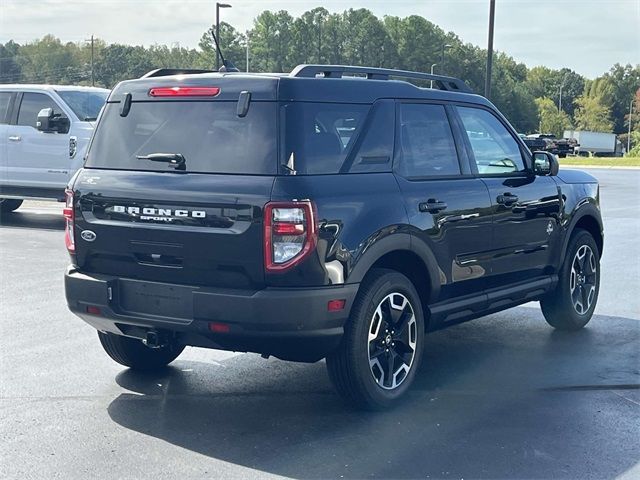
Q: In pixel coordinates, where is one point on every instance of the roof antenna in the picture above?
(227, 65)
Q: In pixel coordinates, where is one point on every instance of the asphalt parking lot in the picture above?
(502, 397)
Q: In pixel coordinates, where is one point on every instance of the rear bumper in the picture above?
(289, 323)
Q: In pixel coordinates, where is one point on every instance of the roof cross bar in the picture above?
(337, 71)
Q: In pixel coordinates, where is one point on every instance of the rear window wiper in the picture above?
(175, 160)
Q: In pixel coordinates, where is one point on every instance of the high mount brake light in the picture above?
(69, 215)
(290, 234)
(184, 91)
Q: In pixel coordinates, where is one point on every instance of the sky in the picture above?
(588, 36)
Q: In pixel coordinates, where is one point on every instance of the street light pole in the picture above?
(444, 45)
(432, 65)
(247, 37)
(487, 80)
(218, 7)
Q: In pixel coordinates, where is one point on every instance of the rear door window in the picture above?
(427, 148)
(209, 135)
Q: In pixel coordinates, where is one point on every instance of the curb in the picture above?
(602, 167)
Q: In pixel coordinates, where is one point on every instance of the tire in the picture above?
(134, 354)
(9, 204)
(359, 368)
(570, 306)
(562, 155)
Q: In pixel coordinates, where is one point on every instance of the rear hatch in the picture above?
(174, 186)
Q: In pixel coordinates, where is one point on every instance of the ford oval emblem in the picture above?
(88, 235)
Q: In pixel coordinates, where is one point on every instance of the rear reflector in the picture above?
(336, 305)
(69, 218)
(217, 327)
(93, 310)
(184, 91)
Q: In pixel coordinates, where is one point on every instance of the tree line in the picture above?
(529, 97)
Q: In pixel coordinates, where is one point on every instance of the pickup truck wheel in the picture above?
(132, 353)
(571, 305)
(381, 350)
(9, 204)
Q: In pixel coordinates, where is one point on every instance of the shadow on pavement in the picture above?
(502, 397)
(31, 219)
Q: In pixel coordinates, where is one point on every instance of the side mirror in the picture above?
(49, 122)
(45, 120)
(545, 163)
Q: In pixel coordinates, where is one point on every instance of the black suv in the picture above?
(332, 212)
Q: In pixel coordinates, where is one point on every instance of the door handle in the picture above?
(15, 138)
(507, 199)
(432, 206)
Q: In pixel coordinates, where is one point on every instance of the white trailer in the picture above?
(593, 142)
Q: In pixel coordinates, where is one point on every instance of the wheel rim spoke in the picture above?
(392, 341)
(583, 279)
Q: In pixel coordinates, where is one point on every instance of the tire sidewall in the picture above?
(574, 318)
(390, 283)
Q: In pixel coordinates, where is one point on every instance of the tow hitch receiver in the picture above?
(155, 339)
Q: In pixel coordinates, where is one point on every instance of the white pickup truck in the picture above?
(44, 133)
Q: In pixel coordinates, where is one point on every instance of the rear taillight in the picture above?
(69, 216)
(290, 234)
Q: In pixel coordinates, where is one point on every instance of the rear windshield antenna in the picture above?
(227, 65)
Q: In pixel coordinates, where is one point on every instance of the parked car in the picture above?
(558, 146)
(310, 215)
(534, 144)
(44, 133)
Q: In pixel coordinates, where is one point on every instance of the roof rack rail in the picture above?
(164, 72)
(336, 71)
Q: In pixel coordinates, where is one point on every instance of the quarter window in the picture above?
(494, 148)
(427, 147)
(31, 105)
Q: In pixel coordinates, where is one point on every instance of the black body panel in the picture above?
(177, 252)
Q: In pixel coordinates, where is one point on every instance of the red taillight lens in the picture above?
(69, 215)
(290, 234)
(184, 91)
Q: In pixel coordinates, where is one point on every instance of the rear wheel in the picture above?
(9, 204)
(132, 353)
(381, 350)
(571, 305)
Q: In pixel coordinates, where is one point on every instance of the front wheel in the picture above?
(571, 305)
(381, 350)
(132, 353)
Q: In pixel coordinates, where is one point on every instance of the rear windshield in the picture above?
(209, 135)
(85, 104)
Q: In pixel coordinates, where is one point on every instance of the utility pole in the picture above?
(444, 45)
(629, 135)
(560, 97)
(432, 65)
(218, 7)
(487, 80)
(93, 78)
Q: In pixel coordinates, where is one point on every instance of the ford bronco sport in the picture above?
(335, 212)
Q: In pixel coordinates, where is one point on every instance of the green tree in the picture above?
(550, 119)
(10, 70)
(624, 81)
(232, 43)
(310, 37)
(593, 114)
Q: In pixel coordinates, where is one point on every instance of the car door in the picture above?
(525, 206)
(448, 208)
(36, 159)
(6, 102)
